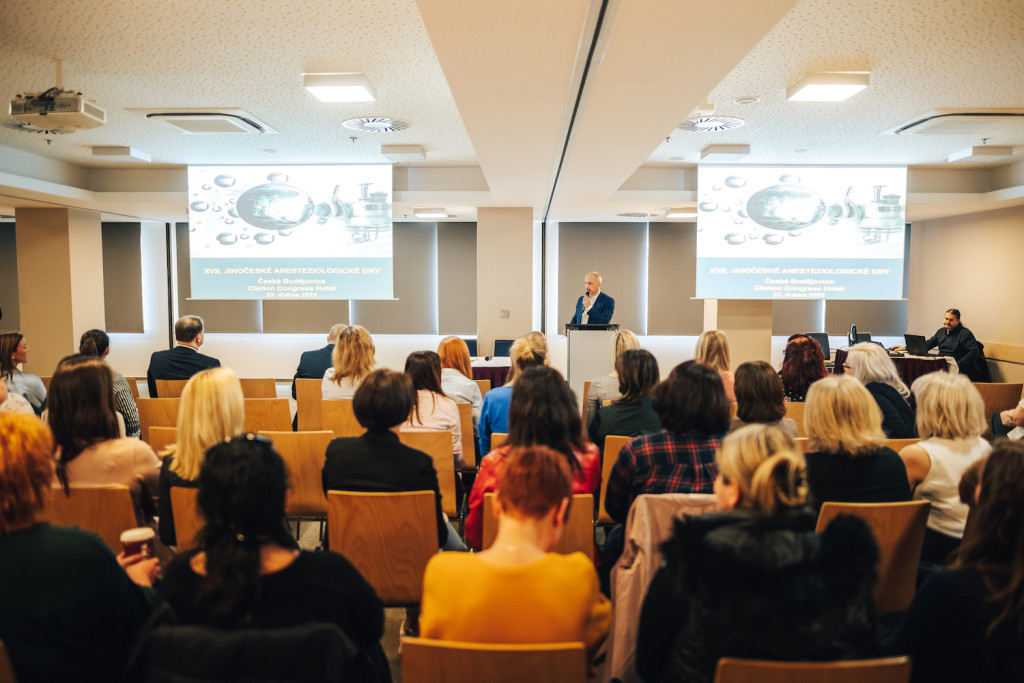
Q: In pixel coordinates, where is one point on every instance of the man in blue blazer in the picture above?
(184, 360)
(594, 307)
(314, 364)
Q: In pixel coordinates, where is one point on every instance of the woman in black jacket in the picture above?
(871, 365)
(756, 581)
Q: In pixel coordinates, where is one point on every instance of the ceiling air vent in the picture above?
(708, 124)
(635, 214)
(375, 124)
(957, 122)
(202, 121)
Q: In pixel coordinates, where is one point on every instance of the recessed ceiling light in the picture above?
(828, 87)
(121, 153)
(982, 153)
(339, 87)
(430, 213)
(724, 152)
(396, 153)
(375, 124)
(270, 151)
(681, 212)
(802, 150)
(750, 99)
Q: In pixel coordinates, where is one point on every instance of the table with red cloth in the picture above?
(908, 367)
(495, 369)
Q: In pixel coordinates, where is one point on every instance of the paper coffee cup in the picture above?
(140, 540)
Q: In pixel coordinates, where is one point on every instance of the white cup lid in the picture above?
(142, 533)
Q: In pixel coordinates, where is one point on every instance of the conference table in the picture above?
(908, 367)
(495, 369)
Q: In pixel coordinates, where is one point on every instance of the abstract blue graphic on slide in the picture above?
(290, 231)
(804, 232)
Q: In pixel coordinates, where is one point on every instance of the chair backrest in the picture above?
(998, 396)
(303, 454)
(889, 670)
(170, 388)
(104, 510)
(612, 446)
(187, 520)
(308, 397)
(157, 412)
(257, 387)
(6, 670)
(133, 386)
(46, 380)
(586, 395)
(162, 437)
(484, 384)
(267, 414)
(446, 661)
(388, 537)
(339, 417)
(899, 530)
(795, 410)
(438, 445)
(497, 440)
(804, 443)
(578, 535)
(468, 442)
(897, 444)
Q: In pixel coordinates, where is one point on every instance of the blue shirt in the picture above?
(494, 416)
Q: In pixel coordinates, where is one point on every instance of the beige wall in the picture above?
(504, 274)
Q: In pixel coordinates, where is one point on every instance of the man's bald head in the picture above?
(335, 332)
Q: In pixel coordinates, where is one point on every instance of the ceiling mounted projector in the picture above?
(55, 109)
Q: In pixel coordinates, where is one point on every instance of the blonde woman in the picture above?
(756, 578)
(873, 368)
(527, 352)
(713, 350)
(352, 360)
(950, 421)
(850, 462)
(606, 387)
(212, 409)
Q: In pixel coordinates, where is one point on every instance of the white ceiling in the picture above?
(490, 89)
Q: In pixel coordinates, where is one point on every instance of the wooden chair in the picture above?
(303, 454)
(446, 661)
(388, 537)
(46, 381)
(889, 670)
(170, 388)
(162, 437)
(586, 395)
(187, 520)
(267, 414)
(804, 443)
(468, 442)
(133, 385)
(497, 439)
(257, 387)
(484, 384)
(899, 530)
(998, 396)
(897, 444)
(104, 510)
(579, 530)
(307, 404)
(795, 410)
(157, 412)
(438, 445)
(339, 417)
(733, 408)
(612, 446)
(6, 670)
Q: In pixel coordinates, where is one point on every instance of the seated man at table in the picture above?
(184, 360)
(953, 339)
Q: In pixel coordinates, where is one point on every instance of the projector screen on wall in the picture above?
(290, 232)
(808, 232)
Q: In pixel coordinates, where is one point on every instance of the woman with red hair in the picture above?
(803, 363)
(457, 377)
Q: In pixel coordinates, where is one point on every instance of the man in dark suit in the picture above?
(184, 360)
(594, 307)
(313, 364)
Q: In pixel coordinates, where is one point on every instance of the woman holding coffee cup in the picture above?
(69, 611)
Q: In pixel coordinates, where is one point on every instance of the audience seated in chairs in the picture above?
(432, 409)
(97, 343)
(713, 351)
(212, 409)
(757, 581)
(87, 428)
(606, 387)
(871, 366)
(543, 412)
(246, 571)
(760, 398)
(527, 352)
(351, 361)
(377, 460)
(950, 421)
(70, 613)
(631, 414)
(517, 591)
(13, 352)
(457, 377)
(849, 462)
(803, 363)
(967, 624)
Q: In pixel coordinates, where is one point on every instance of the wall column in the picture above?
(747, 324)
(504, 281)
(60, 281)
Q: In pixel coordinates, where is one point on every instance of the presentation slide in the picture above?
(290, 232)
(800, 232)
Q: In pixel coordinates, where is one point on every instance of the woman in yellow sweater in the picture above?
(516, 591)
